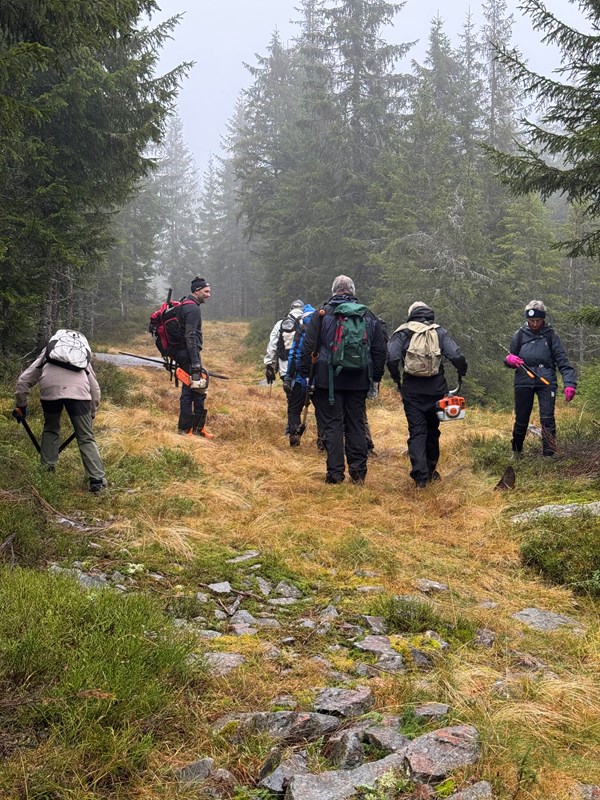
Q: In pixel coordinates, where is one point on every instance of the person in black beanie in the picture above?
(420, 378)
(192, 413)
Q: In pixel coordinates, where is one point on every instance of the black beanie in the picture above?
(199, 283)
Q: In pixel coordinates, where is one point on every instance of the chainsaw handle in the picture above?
(454, 392)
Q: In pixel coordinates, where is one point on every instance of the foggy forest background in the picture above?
(334, 162)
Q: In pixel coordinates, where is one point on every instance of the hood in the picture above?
(422, 314)
(295, 312)
(307, 313)
(337, 299)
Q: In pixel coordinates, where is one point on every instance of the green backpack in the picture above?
(350, 346)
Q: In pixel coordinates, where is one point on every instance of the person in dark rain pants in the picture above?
(340, 395)
(294, 385)
(536, 352)
(421, 392)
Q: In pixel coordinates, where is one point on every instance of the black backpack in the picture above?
(290, 325)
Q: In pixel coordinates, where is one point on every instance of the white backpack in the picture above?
(69, 349)
(423, 357)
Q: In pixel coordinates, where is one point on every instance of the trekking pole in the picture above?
(528, 370)
(31, 435)
(314, 357)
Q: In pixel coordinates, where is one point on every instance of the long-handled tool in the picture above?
(35, 442)
(168, 366)
(314, 357)
(528, 370)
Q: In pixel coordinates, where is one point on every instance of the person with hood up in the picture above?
(340, 393)
(415, 353)
(536, 352)
(294, 385)
(280, 342)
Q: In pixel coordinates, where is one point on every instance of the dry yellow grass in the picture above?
(258, 493)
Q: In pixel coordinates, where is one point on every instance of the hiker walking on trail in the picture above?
(294, 385)
(66, 380)
(536, 352)
(415, 353)
(280, 342)
(192, 411)
(351, 360)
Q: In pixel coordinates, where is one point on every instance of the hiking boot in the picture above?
(420, 484)
(358, 480)
(184, 432)
(294, 441)
(333, 479)
(204, 432)
(517, 455)
(97, 486)
(435, 476)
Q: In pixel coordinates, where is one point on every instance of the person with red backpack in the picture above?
(350, 352)
(192, 411)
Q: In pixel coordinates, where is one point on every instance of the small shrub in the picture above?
(408, 615)
(588, 388)
(116, 384)
(566, 552)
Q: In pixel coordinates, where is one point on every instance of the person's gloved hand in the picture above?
(287, 386)
(20, 413)
(569, 393)
(270, 373)
(514, 361)
(373, 391)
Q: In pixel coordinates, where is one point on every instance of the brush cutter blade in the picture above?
(507, 481)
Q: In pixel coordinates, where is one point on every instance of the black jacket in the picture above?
(190, 323)
(412, 385)
(544, 353)
(347, 379)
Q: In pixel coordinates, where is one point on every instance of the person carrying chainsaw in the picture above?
(349, 349)
(66, 380)
(536, 352)
(192, 411)
(415, 353)
(280, 342)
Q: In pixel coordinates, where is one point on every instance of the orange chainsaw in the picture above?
(451, 407)
(199, 386)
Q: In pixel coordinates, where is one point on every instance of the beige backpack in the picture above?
(423, 357)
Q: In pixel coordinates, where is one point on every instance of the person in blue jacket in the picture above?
(536, 348)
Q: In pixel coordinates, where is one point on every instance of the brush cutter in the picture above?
(314, 357)
(170, 366)
(452, 406)
(31, 434)
(528, 370)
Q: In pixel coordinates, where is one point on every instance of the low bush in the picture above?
(566, 552)
(116, 384)
(411, 615)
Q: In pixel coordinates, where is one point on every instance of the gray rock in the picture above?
(247, 556)
(390, 662)
(285, 589)
(197, 772)
(92, 581)
(309, 624)
(376, 624)
(588, 792)
(386, 738)
(264, 587)
(220, 615)
(291, 727)
(545, 620)
(202, 597)
(428, 586)
(479, 791)
(117, 577)
(345, 702)
(568, 510)
(371, 589)
(242, 617)
(329, 614)
(435, 637)
(282, 601)
(431, 710)
(243, 630)
(267, 622)
(366, 573)
(420, 659)
(344, 750)
(375, 644)
(487, 604)
(277, 780)
(485, 637)
(340, 784)
(352, 630)
(286, 701)
(434, 755)
(224, 587)
(208, 633)
(223, 663)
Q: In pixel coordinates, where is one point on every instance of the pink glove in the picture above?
(569, 393)
(514, 361)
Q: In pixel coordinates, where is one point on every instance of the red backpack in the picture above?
(165, 326)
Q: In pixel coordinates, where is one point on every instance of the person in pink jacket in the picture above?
(72, 386)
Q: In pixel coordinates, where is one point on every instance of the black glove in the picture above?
(196, 371)
(270, 373)
(20, 413)
(287, 386)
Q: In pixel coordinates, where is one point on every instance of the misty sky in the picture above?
(220, 35)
